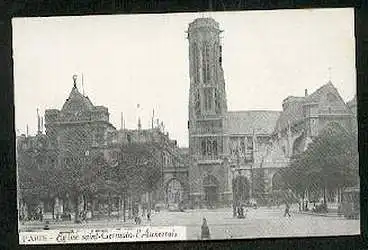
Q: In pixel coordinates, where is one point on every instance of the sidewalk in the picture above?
(319, 214)
(38, 225)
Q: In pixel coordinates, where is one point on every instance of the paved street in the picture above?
(261, 222)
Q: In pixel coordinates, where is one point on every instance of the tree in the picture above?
(330, 161)
(79, 168)
(139, 168)
(36, 177)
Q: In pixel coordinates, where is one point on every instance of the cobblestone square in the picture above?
(259, 223)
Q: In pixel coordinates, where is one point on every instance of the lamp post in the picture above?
(252, 163)
(232, 168)
(227, 163)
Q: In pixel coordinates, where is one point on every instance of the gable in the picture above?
(329, 100)
(324, 101)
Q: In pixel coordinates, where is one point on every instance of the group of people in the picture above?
(240, 212)
(138, 220)
(205, 231)
(287, 210)
(36, 215)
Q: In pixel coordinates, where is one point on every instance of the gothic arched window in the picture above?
(208, 99)
(206, 63)
(195, 62)
(197, 103)
(214, 147)
(215, 54)
(217, 102)
(203, 147)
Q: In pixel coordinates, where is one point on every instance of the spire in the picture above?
(27, 131)
(153, 118)
(122, 121)
(75, 81)
(162, 127)
(82, 84)
(329, 74)
(38, 122)
(41, 129)
(139, 123)
(139, 117)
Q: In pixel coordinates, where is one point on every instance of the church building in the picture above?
(79, 139)
(236, 155)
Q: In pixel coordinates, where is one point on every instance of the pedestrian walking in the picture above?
(287, 210)
(205, 231)
(149, 216)
(137, 220)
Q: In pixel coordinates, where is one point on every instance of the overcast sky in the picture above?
(143, 59)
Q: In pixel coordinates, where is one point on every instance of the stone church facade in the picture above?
(236, 155)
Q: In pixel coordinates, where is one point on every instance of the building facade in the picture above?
(80, 136)
(236, 155)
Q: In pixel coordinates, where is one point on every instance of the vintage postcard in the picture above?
(187, 126)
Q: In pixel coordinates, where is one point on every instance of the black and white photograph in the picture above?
(186, 126)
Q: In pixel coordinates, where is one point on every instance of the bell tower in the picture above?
(207, 101)
(206, 74)
(207, 95)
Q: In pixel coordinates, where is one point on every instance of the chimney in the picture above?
(306, 92)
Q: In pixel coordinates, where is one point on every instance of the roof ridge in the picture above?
(253, 110)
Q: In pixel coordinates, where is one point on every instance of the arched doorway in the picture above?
(277, 181)
(299, 145)
(174, 192)
(210, 186)
(241, 189)
(278, 192)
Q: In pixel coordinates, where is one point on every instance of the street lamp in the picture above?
(232, 168)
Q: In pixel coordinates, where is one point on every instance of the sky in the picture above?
(143, 59)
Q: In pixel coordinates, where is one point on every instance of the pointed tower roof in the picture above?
(76, 101)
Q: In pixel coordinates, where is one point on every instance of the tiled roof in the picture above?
(244, 122)
(77, 102)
